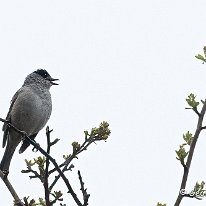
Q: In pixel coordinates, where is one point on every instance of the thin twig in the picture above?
(196, 111)
(190, 154)
(36, 175)
(46, 176)
(84, 191)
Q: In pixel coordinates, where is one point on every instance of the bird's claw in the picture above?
(5, 172)
(24, 134)
(35, 149)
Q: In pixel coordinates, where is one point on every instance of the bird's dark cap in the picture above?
(46, 75)
(43, 73)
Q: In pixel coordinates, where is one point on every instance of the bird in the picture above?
(29, 111)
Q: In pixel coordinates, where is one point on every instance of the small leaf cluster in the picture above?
(57, 196)
(32, 202)
(41, 202)
(199, 191)
(201, 57)
(99, 133)
(192, 101)
(188, 137)
(96, 134)
(40, 162)
(76, 147)
(160, 204)
(182, 152)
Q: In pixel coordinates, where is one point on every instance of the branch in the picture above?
(36, 175)
(84, 191)
(46, 187)
(66, 181)
(191, 152)
(11, 189)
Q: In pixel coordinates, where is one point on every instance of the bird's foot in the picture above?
(24, 134)
(35, 149)
(5, 173)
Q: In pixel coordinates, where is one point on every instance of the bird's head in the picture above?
(40, 77)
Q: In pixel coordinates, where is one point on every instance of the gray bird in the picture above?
(29, 111)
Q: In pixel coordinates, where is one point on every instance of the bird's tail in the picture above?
(8, 154)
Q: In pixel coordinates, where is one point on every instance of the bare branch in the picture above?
(11, 189)
(46, 176)
(36, 175)
(84, 191)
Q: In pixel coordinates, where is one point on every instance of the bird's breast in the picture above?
(31, 111)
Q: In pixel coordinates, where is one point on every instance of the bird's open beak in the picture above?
(52, 81)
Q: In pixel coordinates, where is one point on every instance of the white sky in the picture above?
(130, 63)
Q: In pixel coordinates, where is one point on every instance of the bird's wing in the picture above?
(26, 143)
(5, 127)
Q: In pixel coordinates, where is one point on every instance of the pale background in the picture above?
(130, 63)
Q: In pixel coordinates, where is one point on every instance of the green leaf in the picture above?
(188, 138)
(199, 56)
(181, 153)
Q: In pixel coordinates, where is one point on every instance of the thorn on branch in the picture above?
(54, 142)
(203, 127)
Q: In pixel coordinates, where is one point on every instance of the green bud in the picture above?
(191, 101)
(188, 138)
(181, 153)
(159, 204)
(76, 146)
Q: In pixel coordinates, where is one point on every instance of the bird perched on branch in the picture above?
(29, 111)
